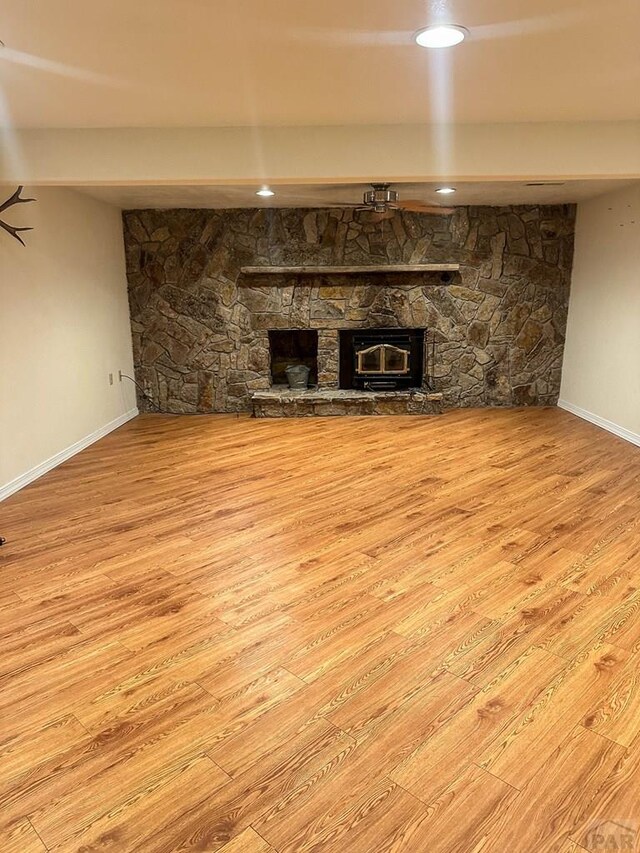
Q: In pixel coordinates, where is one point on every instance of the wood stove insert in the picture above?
(381, 359)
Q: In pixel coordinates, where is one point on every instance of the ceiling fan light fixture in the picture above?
(446, 35)
(265, 192)
(380, 197)
(446, 190)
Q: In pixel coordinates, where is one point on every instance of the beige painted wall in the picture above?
(601, 374)
(64, 325)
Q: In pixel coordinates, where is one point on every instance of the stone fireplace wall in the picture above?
(200, 328)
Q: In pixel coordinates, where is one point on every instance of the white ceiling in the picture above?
(327, 195)
(158, 63)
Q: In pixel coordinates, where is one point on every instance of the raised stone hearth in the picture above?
(284, 403)
(495, 330)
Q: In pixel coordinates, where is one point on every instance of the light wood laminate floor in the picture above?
(350, 634)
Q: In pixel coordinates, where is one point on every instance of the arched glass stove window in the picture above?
(383, 358)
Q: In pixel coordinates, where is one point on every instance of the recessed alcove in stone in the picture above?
(293, 346)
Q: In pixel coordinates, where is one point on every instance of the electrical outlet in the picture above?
(111, 379)
(120, 376)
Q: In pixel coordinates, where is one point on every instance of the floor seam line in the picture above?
(46, 847)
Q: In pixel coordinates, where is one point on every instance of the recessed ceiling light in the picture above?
(446, 190)
(440, 36)
(265, 192)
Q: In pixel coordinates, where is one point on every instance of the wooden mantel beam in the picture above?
(350, 270)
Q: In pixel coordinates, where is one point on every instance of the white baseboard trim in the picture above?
(24, 479)
(621, 432)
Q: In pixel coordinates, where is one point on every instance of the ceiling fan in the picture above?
(383, 201)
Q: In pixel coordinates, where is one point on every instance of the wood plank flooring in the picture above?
(350, 634)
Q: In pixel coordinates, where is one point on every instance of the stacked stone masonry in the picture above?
(200, 327)
(327, 402)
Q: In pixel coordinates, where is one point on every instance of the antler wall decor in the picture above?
(11, 229)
